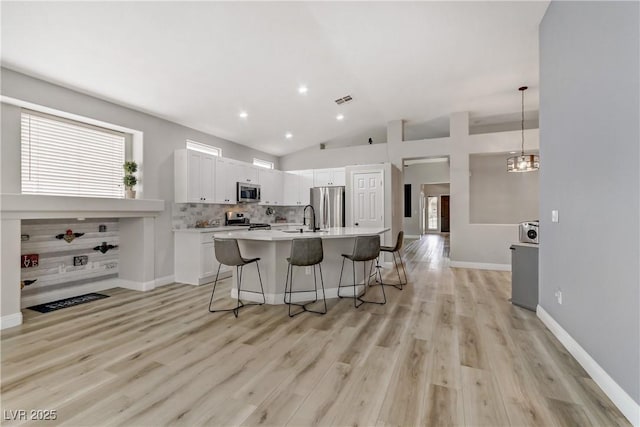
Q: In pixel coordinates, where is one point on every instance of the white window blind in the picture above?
(262, 163)
(66, 158)
(203, 148)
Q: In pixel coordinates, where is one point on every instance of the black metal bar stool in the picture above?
(366, 248)
(305, 253)
(228, 253)
(396, 250)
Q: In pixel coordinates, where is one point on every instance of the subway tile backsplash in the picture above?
(185, 215)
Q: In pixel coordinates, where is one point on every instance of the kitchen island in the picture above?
(273, 247)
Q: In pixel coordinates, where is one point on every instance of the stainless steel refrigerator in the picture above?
(328, 203)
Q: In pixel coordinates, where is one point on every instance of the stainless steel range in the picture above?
(237, 219)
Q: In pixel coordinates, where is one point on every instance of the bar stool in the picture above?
(305, 253)
(366, 248)
(393, 250)
(228, 253)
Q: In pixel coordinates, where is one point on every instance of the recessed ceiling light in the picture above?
(288, 135)
(243, 114)
(303, 89)
(512, 152)
(340, 117)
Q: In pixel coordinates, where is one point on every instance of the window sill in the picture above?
(29, 206)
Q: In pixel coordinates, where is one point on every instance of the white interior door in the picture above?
(367, 203)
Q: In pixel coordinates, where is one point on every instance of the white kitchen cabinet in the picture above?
(194, 258)
(271, 186)
(194, 176)
(225, 182)
(328, 177)
(306, 184)
(291, 190)
(245, 172)
(296, 187)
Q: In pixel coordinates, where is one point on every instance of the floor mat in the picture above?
(67, 302)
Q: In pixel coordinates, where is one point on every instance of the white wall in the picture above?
(416, 175)
(161, 138)
(377, 134)
(315, 158)
(473, 245)
(498, 196)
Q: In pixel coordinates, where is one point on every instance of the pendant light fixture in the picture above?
(523, 163)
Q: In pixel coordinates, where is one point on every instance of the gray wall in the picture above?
(161, 138)
(589, 146)
(416, 175)
(500, 197)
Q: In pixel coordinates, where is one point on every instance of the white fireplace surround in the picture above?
(137, 222)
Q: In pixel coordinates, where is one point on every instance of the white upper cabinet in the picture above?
(205, 178)
(225, 182)
(194, 177)
(291, 189)
(328, 177)
(272, 186)
(306, 184)
(296, 187)
(246, 172)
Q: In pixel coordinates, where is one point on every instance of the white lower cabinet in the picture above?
(194, 258)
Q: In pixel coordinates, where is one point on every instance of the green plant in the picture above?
(130, 167)
(130, 179)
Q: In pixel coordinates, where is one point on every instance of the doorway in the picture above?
(367, 201)
(444, 214)
(437, 211)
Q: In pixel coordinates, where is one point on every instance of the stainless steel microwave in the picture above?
(248, 193)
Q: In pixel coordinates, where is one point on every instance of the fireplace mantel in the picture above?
(137, 240)
(30, 206)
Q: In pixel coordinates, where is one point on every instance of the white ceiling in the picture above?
(201, 63)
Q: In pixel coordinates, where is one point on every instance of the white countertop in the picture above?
(529, 245)
(279, 235)
(231, 228)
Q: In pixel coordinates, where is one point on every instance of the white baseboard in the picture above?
(11, 320)
(164, 281)
(138, 286)
(629, 408)
(411, 236)
(480, 265)
(71, 291)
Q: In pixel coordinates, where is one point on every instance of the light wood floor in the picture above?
(448, 350)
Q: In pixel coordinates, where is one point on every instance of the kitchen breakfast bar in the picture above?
(273, 247)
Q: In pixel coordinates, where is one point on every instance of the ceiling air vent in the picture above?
(344, 99)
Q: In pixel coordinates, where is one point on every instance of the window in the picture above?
(204, 148)
(63, 157)
(263, 163)
(432, 213)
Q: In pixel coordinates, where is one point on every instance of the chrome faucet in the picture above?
(312, 226)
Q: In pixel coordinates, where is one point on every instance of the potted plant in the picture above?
(130, 179)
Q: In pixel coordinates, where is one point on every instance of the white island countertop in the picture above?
(218, 228)
(283, 235)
